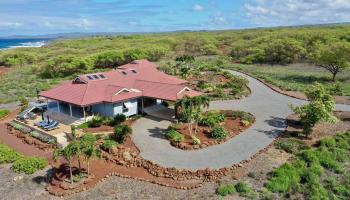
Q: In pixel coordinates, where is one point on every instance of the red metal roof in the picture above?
(138, 78)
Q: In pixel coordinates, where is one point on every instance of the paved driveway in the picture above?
(270, 109)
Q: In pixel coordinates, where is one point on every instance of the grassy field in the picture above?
(295, 77)
(22, 82)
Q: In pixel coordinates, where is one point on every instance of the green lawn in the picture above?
(296, 77)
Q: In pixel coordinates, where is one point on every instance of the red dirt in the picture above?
(232, 125)
(17, 144)
(101, 169)
(3, 70)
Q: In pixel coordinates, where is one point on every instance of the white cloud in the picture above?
(198, 8)
(10, 24)
(294, 12)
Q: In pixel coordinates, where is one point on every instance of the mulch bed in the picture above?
(232, 125)
(105, 128)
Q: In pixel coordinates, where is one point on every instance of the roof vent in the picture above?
(134, 71)
(124, 73)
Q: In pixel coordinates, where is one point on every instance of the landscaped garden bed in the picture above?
(214, 127)
(31, 137)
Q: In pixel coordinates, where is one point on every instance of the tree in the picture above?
(67, 153)
(109, 59)
(333, 57)
(87, 143)
(191, 109)
(319, 109)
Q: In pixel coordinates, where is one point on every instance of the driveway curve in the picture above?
(269, 107)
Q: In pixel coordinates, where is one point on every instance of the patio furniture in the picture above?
(41, 123)
(52, 127)
(47, 124)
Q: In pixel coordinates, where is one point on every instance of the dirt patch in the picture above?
(3, 70)
(103, 169)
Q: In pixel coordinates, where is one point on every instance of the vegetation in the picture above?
(319, 109)
(219, 133)
(226, 189)
(108, 144)
(173, 135)
(298, 77)
(318, 173)
(21, 164)
(333, 57)
(291, 145)
(8, 155)
(191, 109)
(4, 113)
(211, 119)
(63, 59)
(121, 131)
(29, 165)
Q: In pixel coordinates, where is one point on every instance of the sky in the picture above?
(36, 17)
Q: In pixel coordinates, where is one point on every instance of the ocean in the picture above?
(16, 43)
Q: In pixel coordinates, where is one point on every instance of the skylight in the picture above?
(124, 73)
(134, 71)
(95, 76)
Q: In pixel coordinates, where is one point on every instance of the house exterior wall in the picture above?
(118, 108)
(110, 109)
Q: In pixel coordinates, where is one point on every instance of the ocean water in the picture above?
(16, 43)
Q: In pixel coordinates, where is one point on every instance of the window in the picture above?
(126, 106)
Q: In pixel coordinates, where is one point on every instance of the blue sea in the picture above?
(16, 43)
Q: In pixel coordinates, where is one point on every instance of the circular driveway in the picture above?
(269, 107)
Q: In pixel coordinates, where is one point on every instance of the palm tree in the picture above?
(67, 153)
(90, 151)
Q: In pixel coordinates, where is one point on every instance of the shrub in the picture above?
(8, 155)
(195, 140)
(243, 189)
(173, 135)
(136, 117)
(121, 131)
(211, 119)
(291, 145)
(245, 123)
(4, 113)
(29, 165)
(90, 138)
(225, 189)
(119, 118)
(96, 121)
(108, 144)
(219, 133)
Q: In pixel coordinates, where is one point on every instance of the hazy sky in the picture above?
(57, 16)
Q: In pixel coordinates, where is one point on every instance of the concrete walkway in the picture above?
(269, 107)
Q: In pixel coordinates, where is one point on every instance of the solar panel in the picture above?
(102, 76)
(134, 71)
(90, 78)
(123, 72)
(95, 76)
